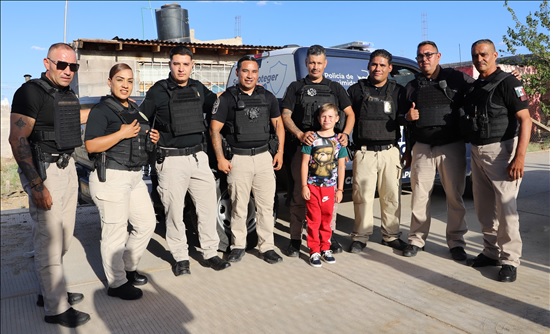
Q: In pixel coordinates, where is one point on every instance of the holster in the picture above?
(38, 160)
(100, 163)
(273, 144)
(227, 150)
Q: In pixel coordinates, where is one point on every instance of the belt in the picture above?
(171, 152)
(51, 158)
(250, 151)
(377, 147)
(111, 164)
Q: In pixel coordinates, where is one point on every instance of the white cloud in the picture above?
(39, 48)
(261, 3)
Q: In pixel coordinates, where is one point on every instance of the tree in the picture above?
(533, 35)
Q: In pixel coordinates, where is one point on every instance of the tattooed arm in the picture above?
(20, 129)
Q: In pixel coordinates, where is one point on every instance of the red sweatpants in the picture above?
(319, 217)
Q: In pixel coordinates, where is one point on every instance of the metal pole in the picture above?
(65, 23)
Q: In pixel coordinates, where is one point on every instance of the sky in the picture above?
(28, 28)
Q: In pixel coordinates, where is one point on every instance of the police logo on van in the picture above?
(311, 92)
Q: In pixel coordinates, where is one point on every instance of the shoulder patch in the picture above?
(521, 94)
(215, 106)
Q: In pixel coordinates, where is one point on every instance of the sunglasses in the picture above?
(427, 55)
(62, 65)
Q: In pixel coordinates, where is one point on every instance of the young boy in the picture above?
(323, 170)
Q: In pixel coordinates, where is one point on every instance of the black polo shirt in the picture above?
(224, 112)
(400, 104)
(157, 103)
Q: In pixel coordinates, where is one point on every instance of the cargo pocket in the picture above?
(113, 207)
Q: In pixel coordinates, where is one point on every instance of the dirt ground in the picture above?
(15, 201)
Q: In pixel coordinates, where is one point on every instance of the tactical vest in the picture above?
(185, 109)
(130, 152)
(67, 118)
(377, 117)
(251, 117)
(492, 119)
(311, 98)
(433, 104)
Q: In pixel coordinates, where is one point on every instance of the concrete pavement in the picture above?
(376, 291)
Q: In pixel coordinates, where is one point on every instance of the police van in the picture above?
(346, 65)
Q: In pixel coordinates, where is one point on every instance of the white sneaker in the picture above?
(315, 260)
(327, 257)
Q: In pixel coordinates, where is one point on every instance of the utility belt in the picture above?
(43, 159)
(162, 152)
(376, 148)
(250, 151)
(112, 164)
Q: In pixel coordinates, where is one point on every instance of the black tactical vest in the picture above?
(311, 97)
(252, 121)
(130, 152)
(433, 104)
(185, 109)
(377, 117)
(67, 118)
(492, 119)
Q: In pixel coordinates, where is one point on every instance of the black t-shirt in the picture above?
(224, 112)
(290, 99)
(157, 103)
(399, 96)
(459, 83)
(33, 101)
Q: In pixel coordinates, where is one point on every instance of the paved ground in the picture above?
(377, 291)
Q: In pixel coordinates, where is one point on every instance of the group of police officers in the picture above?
(441, 109)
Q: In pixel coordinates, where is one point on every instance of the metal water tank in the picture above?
(172, 23)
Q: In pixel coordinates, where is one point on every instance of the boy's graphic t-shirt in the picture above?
(323, 163)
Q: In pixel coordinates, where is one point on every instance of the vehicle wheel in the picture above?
(224, 209)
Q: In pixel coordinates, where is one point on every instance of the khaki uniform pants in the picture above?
(252, 174)
(450, 162)
(178, 175)
(374, 170)
(53, 233)
(495, 200)
(297, 204)
(122, 199)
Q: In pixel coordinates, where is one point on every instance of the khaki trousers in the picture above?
(450, 162)
(297, 204)
(53, 232)
(252, 174)
(122, 199)
(376, 170)
(495, 200)
(178, 175)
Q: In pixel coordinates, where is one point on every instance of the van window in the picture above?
(401, 74)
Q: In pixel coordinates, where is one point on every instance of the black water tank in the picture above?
(172, 23)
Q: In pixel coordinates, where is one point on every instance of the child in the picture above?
(323, 170)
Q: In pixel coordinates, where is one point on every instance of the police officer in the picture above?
(299, 111)
(379, 105)
(119, 133)
(44, 130)
(245, 113)
(497, 108)
(437, 145)
(177, 106)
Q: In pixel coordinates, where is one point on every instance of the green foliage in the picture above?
(10, 178)
(533, 35)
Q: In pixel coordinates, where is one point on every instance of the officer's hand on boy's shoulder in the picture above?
(343, 139)
(308, 137)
